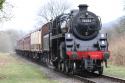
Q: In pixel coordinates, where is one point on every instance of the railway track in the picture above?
(100, 79)
(94, 78)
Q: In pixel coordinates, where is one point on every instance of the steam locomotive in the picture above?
(71, 42)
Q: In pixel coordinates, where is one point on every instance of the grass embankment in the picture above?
(13, 70)
(118, 71)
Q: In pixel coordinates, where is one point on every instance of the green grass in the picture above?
(16, 70)
(13, 70)
(118, 71)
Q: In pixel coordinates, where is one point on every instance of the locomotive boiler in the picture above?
(72, 42)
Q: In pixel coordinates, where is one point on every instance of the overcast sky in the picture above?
(25, 12)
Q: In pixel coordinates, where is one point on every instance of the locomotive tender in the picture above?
(72, 43)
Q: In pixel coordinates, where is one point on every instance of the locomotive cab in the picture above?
(64, 26)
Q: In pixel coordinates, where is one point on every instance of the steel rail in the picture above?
(120, 80)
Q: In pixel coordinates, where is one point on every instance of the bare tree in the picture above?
(54, 8)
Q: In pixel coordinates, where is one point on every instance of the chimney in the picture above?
(83, 7)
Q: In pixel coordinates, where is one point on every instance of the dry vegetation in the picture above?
(117, 48)
(117, 43)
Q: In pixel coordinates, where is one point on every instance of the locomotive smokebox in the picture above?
(83, 7)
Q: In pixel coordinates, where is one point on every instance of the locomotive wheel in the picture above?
(62, 51)
(62, 67)
(74, 68)
(100, 70)
(66, 68)
(59, 66)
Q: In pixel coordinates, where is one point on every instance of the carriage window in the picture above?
(63, 24)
